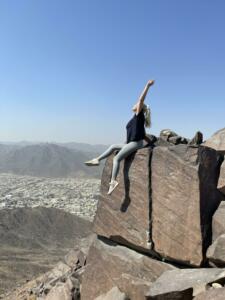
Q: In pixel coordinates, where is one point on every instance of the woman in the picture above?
(135, 137)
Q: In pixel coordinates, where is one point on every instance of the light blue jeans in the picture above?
(125, 150)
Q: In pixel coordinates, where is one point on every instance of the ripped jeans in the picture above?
(125, 150)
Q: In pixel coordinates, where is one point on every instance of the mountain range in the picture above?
(49, 159)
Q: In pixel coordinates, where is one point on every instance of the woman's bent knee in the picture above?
(117, 158)
(114, 146)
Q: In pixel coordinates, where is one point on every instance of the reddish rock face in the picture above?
(109, 265)
(123, 216)
(184, 198)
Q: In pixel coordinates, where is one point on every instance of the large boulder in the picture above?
(217, 141)
(184, 198)
(166, 134)
(216, 252)
(184, 284)
(123, 216)
(110, 264)
(221, 183)
(169, 136)
(218, 223)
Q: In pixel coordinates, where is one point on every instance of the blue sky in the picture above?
(71, 70)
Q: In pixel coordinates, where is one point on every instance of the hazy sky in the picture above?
(71, 70)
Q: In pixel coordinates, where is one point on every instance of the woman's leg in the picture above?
(110, 150)
(124, 152)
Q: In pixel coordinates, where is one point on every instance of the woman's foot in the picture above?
(112, 185)
(92, 162)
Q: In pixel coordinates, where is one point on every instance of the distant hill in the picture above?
(84, 147)
(48, 160)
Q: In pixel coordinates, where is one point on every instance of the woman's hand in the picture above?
(141, 99)
(150, 82)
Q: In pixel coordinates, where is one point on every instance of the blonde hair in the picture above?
(147, 113)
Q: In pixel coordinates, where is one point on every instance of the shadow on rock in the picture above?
(127, 164)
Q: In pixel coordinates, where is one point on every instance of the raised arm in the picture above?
(141, 99)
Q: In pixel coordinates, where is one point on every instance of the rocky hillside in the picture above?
(33, 240)
(159, 235)
(47, 160)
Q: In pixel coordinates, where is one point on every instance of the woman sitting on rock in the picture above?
(135, 137)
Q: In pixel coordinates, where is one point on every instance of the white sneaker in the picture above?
(92, 162)
(112, 185)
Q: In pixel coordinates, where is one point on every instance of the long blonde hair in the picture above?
(147, 112)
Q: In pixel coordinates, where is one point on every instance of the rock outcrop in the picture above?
(184, 284)
(217, 141)
(221, 183)
(171, 137)
(123, 216)
(218, 222)
(184, 198)
(110, 264)
(216, 252)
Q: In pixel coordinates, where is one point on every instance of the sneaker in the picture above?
(112, 185)
(92, 162)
